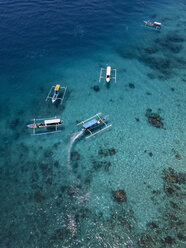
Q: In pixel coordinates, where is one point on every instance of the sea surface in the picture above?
(125, 187)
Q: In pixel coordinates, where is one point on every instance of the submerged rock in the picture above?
(154, 119)
(145, 241)
(131, 85)
(152, 225)
(112, 151)
(175, 38)
(171, 176)
(168, 240)
(96, 88)
(75, 156)
(38, 197)
(181, 236)
(169, 191)
(107, 152)
(178, 156)
(120, 195)
(150, 154)
(102, 164)
(151, 50)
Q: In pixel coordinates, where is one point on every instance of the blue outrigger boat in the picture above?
(48, 123)
(93, 122)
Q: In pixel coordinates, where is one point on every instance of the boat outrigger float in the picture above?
(49, 123)
(94, 122)
(156, 25)
(108, 76)
(56, 93)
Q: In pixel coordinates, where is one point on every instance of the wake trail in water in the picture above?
(72, 140)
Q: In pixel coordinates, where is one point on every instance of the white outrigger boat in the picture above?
(49, 123)
(155, 25)
(94, 122)
(56, 93)
(108, 76)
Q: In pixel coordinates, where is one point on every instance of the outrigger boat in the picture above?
(156, 25)
(55, 97)
(108, 76)
(94, 122)
(48, 123)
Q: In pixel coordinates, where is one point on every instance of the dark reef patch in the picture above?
(38, 197)
(107, 152)
(14, 123)
(151, 75)
(165, 44)
(148, 93)
(131, 85)
(170, 176)
(151, 50)
(146, 241)
(154, 119)
(75, 156)
(137, 119)
(102, 164)
(150, 154)
(169, 240)
(152, 225)
(120, 195)
(96, 88)
(175, 38)
(168, 230)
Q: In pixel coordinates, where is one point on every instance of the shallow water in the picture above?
(44, 190)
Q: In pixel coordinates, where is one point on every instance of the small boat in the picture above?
(93, 122)
(46, 123)
(156, 25)
(55, 95)
(108, 76)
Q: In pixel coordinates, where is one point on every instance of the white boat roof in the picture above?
(53, 121)
(158, 23)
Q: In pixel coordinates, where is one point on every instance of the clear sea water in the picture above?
(47, 42)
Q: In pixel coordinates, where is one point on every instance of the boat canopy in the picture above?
(53, 121)
(57, 87)
(157, 23)
(90, 123)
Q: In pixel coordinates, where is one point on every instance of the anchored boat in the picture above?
(93, 122)
(108, 76)
(156, 25)
(48, 123)
(56, 93)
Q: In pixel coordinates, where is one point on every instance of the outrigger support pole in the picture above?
(34, 131)
(99, 131)
(49, 93)
(63, 94)
(58, 131)
(88, 119)
(101, 119)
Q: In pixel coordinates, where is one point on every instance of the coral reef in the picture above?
(120, 195)
(107, 152)
(131, 85)
(101, 164)
(75, 156)
(154, 119)
(96, 88)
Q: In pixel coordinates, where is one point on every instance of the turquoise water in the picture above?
(42, 197)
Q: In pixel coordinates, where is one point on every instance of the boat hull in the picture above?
(31, 126)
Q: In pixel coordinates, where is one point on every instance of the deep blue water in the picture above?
(43, 195)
